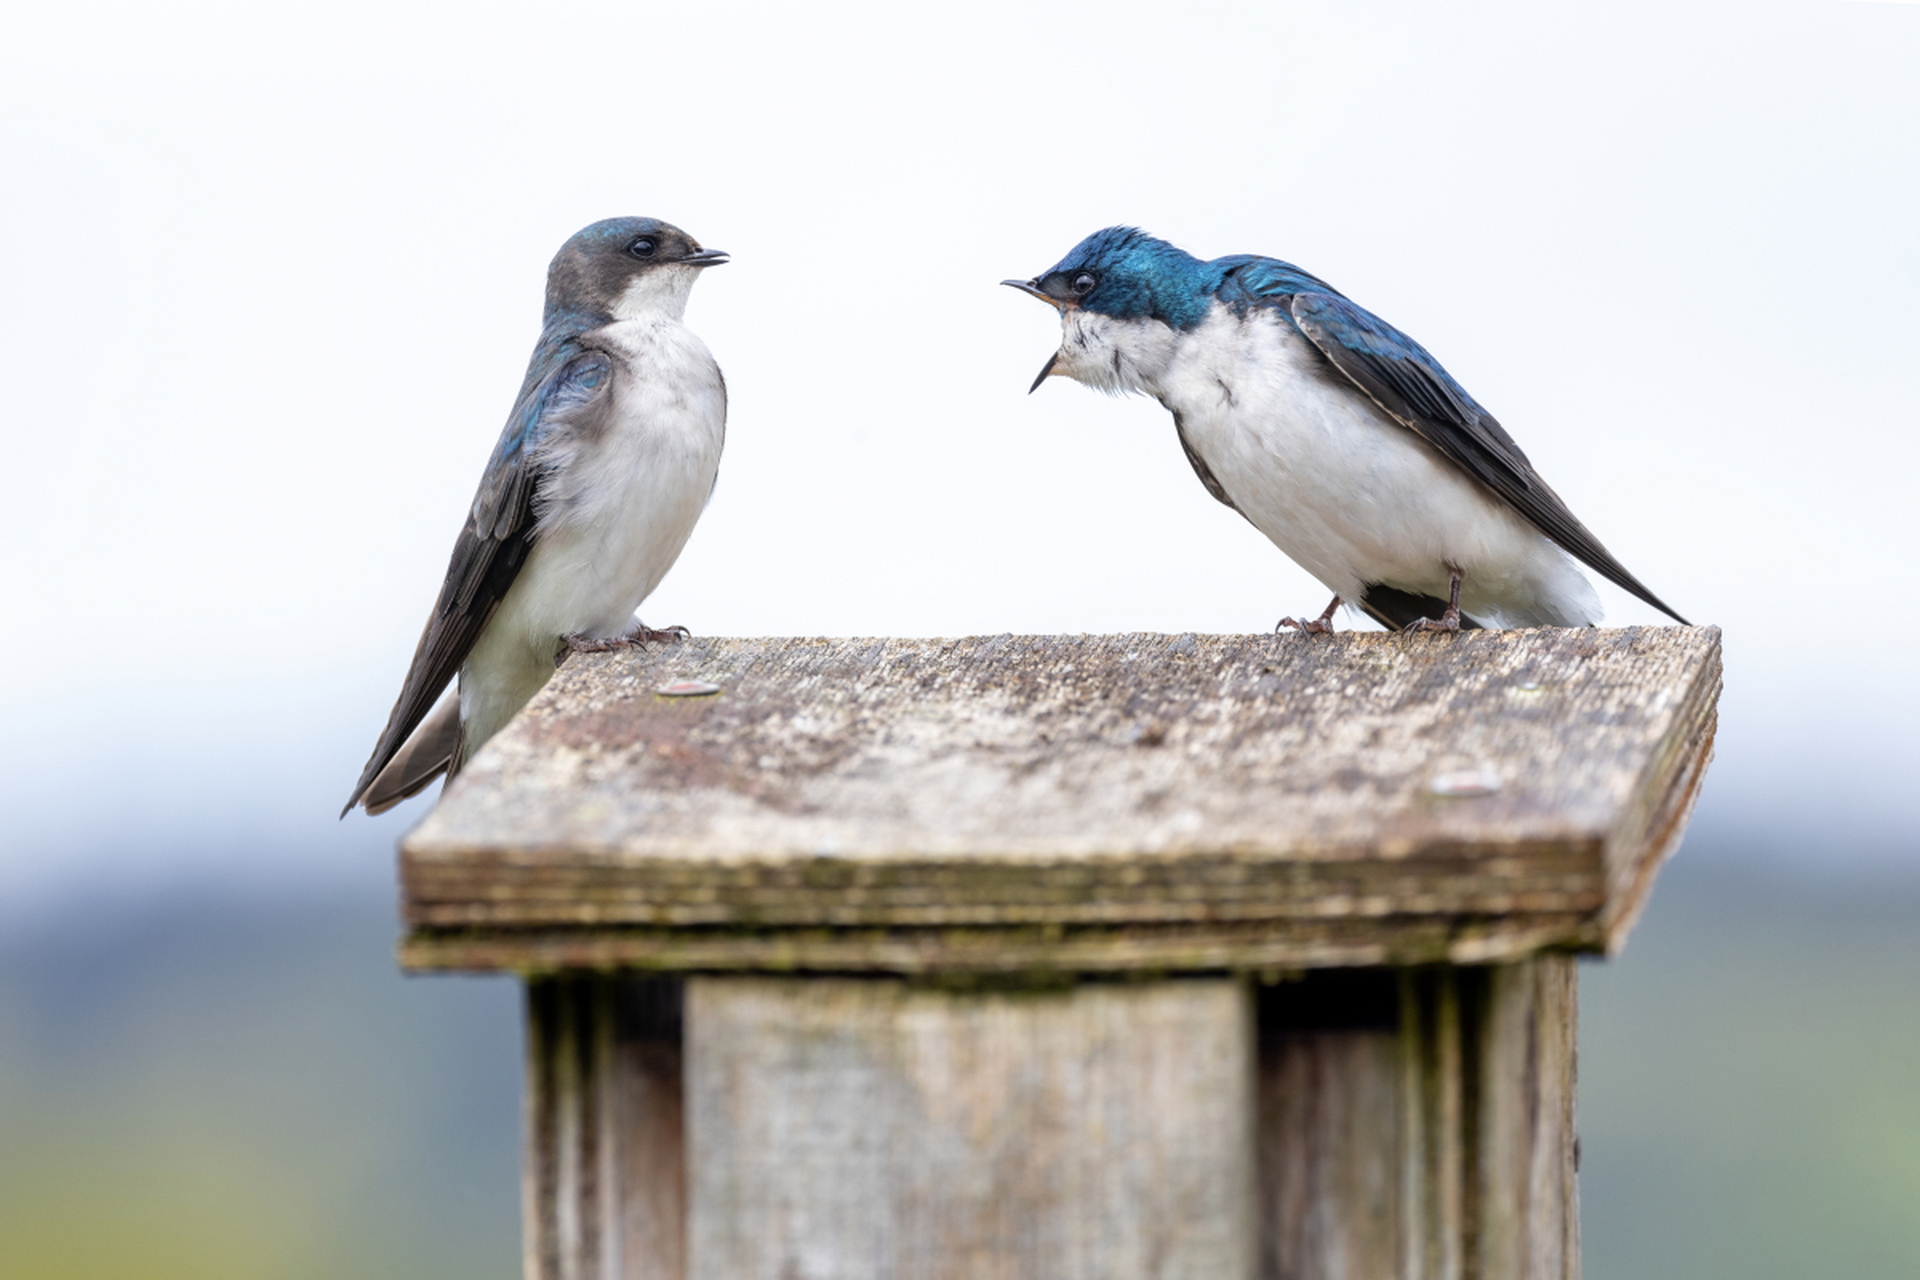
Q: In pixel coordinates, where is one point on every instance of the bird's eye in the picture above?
(641, 248)
(1083, 283)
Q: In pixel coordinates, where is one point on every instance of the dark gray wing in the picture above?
(1409, 385)
(563, 382)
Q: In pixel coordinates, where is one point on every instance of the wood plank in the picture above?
(865, 1127)
(1527, 1223)
(1435, 1148)
(912, 805)
(604, 1195)
(1036, 951)
(1332, 1116)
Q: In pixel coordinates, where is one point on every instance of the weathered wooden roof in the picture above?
(1085, 803)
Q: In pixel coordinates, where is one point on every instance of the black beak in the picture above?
(706, 258)
(1029, 286)
(1045, 373)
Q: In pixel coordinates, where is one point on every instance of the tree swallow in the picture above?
(608, 458)
(1332, 432)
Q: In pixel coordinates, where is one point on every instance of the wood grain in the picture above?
(1091, 802)
(1038, 952)
(1414, 1123)
(1440, 1148)
(1330, 1133)
(865, 1128)
(1528, 1225)
(604, 1192)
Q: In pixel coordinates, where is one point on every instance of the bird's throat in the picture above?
(1112, 355)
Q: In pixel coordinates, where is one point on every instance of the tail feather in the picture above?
(427, 753)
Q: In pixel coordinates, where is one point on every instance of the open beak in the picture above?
(1045, 372)
(706, 258)
(1033, 287)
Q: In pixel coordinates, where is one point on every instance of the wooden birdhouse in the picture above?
(1063, 957)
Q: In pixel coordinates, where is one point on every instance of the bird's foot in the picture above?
(644, 634)
(1320, 626)
(1450, 620)
(641, 634)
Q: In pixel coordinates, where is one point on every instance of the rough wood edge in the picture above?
(1650, 819)
(1031, 951)
(1634, 887)
(1193, 888)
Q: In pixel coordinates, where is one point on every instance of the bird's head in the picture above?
(1120, 293)
(626, 268)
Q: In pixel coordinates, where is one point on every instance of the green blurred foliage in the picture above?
(249, 1090)
(1750, 1081)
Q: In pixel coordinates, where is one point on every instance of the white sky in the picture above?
(272, 275)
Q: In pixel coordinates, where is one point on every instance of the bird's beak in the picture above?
(1045, 373)
(1032, 287)
(706, 258)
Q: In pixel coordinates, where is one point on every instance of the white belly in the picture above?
(1348, 493)
(615, 515)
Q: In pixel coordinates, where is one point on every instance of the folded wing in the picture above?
(563, 383)
(1410, 386)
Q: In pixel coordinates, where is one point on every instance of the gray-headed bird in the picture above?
(1332, 432)
(608, 458)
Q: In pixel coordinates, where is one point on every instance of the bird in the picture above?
(609, 456)
(1333, 433)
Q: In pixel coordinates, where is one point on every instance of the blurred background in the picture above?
(271, 275)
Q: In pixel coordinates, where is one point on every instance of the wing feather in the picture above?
(564, 381)
(1410, 386)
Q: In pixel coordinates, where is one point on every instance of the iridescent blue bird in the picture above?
(607, 460)
(1332, 432)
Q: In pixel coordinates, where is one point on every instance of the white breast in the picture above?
(618, 508)
(1351, 495)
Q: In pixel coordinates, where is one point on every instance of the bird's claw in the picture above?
(1449, 621)
(1320, 626)
(641, 634)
